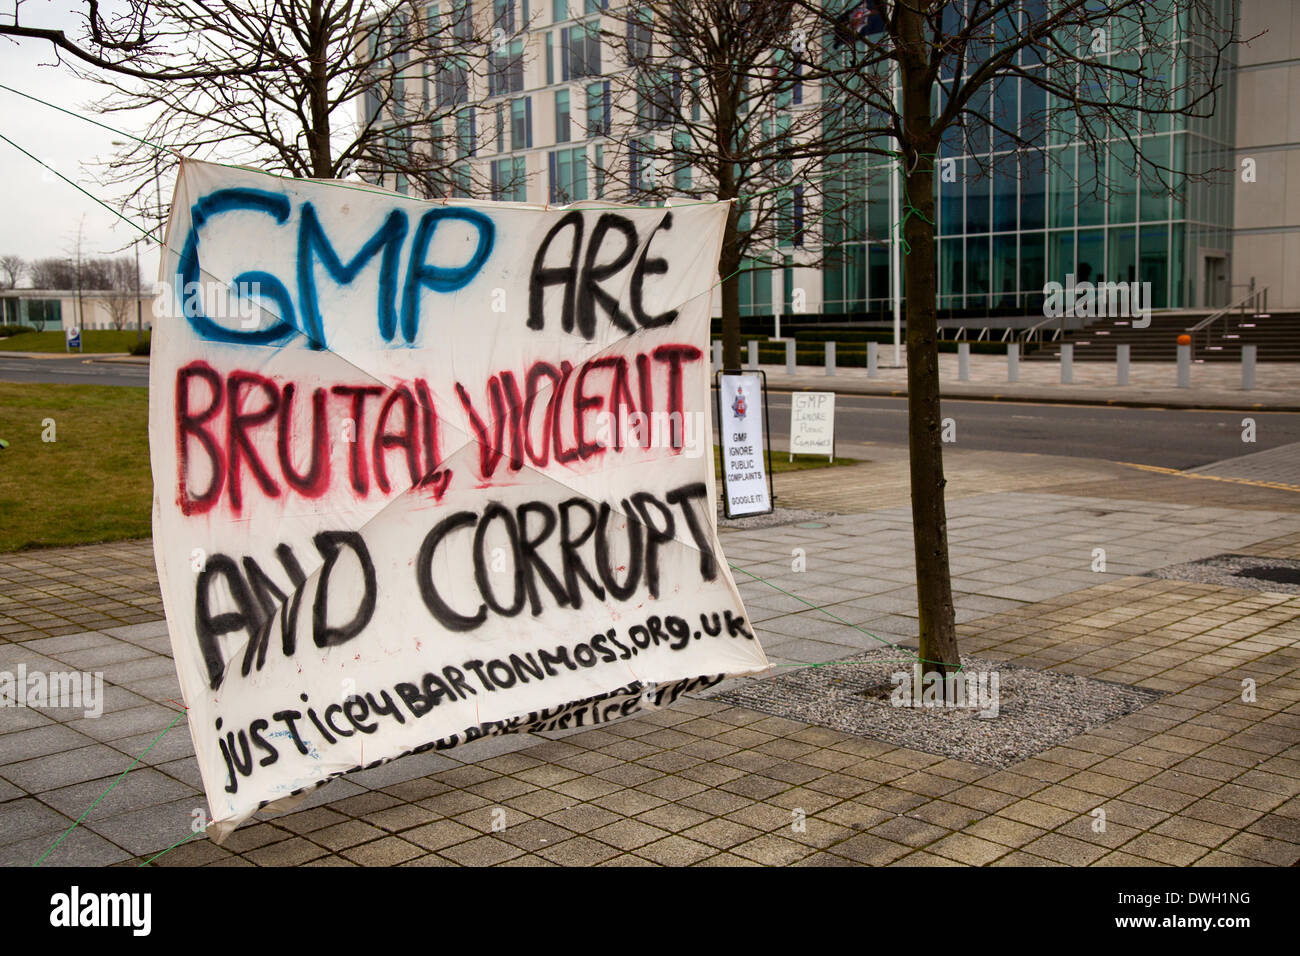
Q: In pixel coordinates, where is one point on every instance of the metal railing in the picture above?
(1258, 298)
(1036, 331)
(962, 333)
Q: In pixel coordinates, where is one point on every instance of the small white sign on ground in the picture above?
(812, 424)
(744, 465)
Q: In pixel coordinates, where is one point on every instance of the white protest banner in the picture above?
(426, 472)
(744, 466)
(812, 424)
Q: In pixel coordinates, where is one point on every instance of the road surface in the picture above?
(1170, 438)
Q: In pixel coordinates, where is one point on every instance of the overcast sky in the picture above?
(39, 213)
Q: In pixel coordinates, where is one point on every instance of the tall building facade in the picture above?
(537, 128)
(1266, 127)
(1009, 220)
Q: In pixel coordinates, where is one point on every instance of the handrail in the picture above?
(1258, 296)
(1036, 330)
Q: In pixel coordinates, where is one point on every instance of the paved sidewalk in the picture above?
(1199, 777)
(1214, 384)
(1277, 465)
(55, 591)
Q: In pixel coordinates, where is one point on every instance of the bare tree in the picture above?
(11, 270)
(410, 66)
(123, 304)
(126, 43)
(64, 273)
(1104, 72)
(77, 263)
(51, 273)
(710, 106)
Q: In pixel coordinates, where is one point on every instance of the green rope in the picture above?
(908, 209)
(178, 716)
(325, 182)
(80, 189)
(170, 848)
(53, 106)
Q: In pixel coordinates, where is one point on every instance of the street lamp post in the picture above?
(157, 193)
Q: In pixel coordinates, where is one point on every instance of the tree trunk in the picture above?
(726, 108)
(319, 149)
(938, 632)
(728, 263)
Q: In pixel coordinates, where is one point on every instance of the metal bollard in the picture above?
(873, 359)
(1013, 361)
(1247, 367)
(1067, 363)
(1184, 366)
(753, 354)
(1121, 364)
(789, 357)
(963, 361)
(830, 358)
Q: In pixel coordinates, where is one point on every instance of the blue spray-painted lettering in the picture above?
(440, 279)
(313, 244)
(188, 270)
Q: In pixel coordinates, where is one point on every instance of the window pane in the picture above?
(1033, 191)
(561, 116)
(1153, 200)
(1004, 112)
(1153, 264)
(1180, 293)
(1060, 177)
(952, 210)
(596, 110)
(1005, 200)
(1033, 112)
(1092, 192)
(1003, 285)
(579, 174)
(1032, 278)
(1060, 255)
(977, 199)
(878, 271)
(520, 134)
(951, 273)
(1122, 254)
(977, 272)
(1123, 183)
(1091, 261)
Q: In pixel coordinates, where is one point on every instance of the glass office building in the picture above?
(1008, 221)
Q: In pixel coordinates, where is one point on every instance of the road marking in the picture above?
(1278, 485)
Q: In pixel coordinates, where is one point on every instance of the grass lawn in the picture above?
(92, 483)
(104, 340)
(781, 462)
